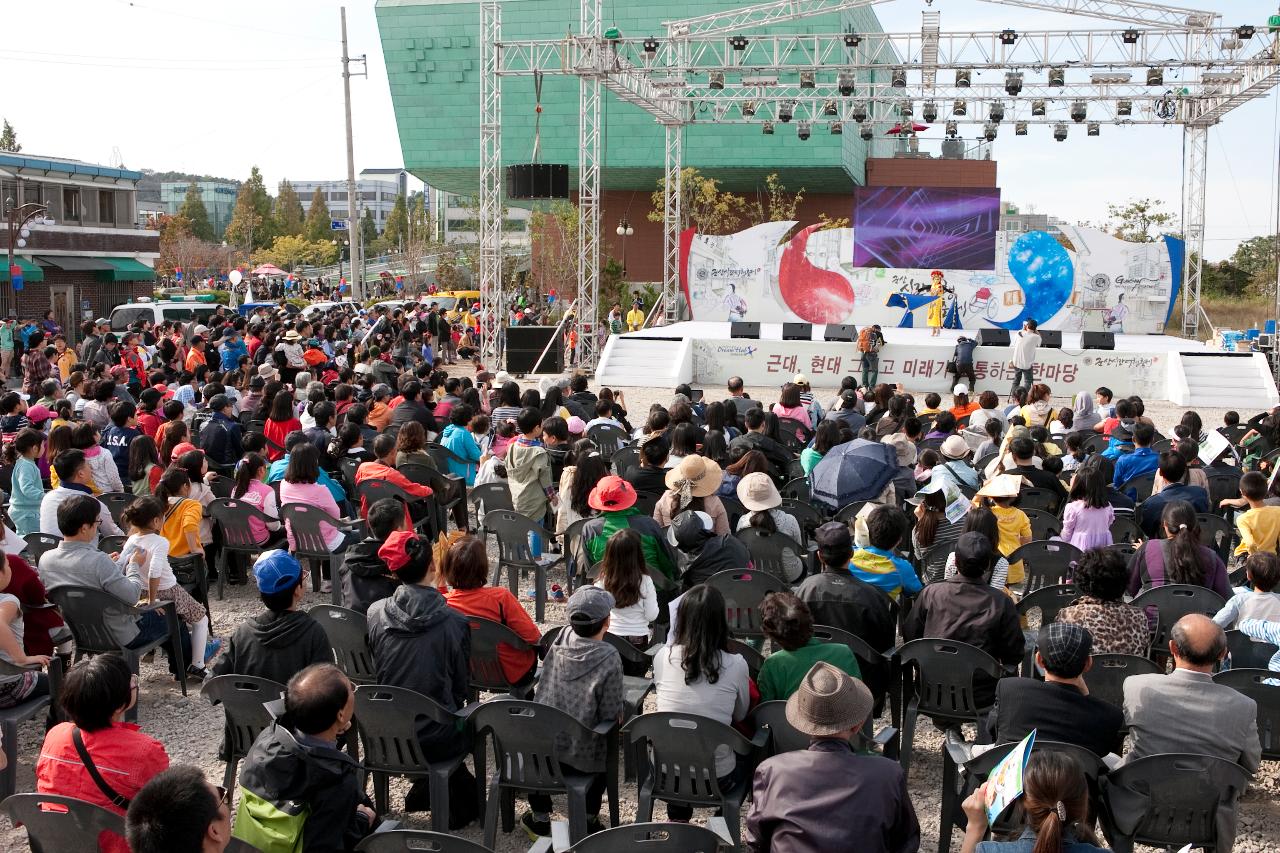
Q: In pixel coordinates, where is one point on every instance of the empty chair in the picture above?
(806, 514)
(486, 498)
(750, 654)
(1223, 484)
(10, 718)
(242, 698)
(1105, 679)
(796, 489)
(608, 438)
(39, 543)
(57, 824)
(1248, 653)
(221, 485)
(624, 458)
(938, 681)
(1259, 685)
(112, 544)
(1041, 499)
(771, 717)
(743, 591)
(650, 838)
(849, 512)
(116, 502)
(1044, 525)
(1096, 443)
(1045, 563)
(513, 531)
(1171, 603)
(1125, 530)
(348, 635)
(417, 841)
(447, 490)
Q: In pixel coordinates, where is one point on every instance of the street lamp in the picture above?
(17, 219)
(340, 244)
(624, 230)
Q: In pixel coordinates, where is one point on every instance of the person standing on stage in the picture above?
(937, 288)
(870, 340)
(1024, 356)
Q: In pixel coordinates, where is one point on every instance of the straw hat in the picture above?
(903, 447)
(955, 447)
(758, 493)
(292, 335)
(828, 702)
(1001, 486)
(698, 475)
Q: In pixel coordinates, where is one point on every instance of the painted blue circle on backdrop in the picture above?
(1044, 272)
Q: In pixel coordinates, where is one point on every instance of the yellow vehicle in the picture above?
(455, 301)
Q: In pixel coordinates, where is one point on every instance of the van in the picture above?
(183, 310)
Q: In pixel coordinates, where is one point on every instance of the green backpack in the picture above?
(268, 827)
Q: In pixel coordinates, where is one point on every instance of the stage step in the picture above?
(645, 362)
(1227, 381)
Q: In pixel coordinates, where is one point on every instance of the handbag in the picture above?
(117, 799)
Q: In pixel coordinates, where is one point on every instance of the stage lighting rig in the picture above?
(1020, 128)
(899, 78)
(1079, 110)
(952, 129)
(715, 80)
(1124, 108)
(960, 108)
(837, 128)
(929, 112)
(739, 42)
(785, 110)
(1039, 108)
(866, 133)
(829, 108)
(1060, 131)
(651, 45)
(990, 131)
(1093, 129)
(845, 82)
(859, 112)
(1013, 82)
(1008, 37)
(964, 78)
(1058, 77)
(1130, 36)
(748, 108)
(1246, 32)
(1155, 76)
(807, 80)
(803, 131)
(996, 113)
(905, 109)
(767, 128)
(852, 40)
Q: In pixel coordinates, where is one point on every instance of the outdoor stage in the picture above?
(1157, 367)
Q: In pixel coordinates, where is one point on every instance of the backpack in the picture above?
(864, 339)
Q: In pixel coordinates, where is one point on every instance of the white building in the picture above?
(459, 224)
(376, 191)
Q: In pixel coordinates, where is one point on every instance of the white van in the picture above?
(124, 316)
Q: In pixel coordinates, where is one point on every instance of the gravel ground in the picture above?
(191, 728)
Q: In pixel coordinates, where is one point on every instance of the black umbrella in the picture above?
(856, 471)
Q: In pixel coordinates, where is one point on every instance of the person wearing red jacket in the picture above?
(384, 448)
(466, 568)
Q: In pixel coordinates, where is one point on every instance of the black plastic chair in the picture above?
(1171, 800)
(1045, 563)
(222, 486)
(733, 508)
(422, 510)
(808, 516)
(743, 590)
(1172, 602)
(1044, 525)
(1216, 533)
(348, 466)
(579, 568)
(448, 490)
(796, 489)
(303, 523)
(10, 718)
(348, 634)
(624, 459)
(1248, 653)
(1259, 685)
(680, 751)
(486, 498)
(386, 719)
(116, 503)
(487, 673)
(651, 838)
(608, 438)
(1044, 500)
(1105, 679)
(527, 739)
(512, 531)
(771, 717)
(1124, 529)
(794, 434)
(232, 517)
(937, 681)
(111, 544)
(58, 824)
(753, 656)
(1049, 600)
(85, 609)
(242, 698)
(417, 841)
(849, 512)
(1222, 485)
(980, 465)
(38, 544)
(1139, 487)
(1096, 443)
(768, 549)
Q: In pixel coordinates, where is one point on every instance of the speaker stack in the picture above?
(745, 330)
(538, 180)
(1050, 338)
(845, 332)
(526, 343)
(993, 337)
(797, 331)
(1097, 340)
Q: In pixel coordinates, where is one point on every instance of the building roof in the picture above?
(394, 171)
(64, 165)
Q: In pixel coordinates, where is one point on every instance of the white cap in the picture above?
(960, 388)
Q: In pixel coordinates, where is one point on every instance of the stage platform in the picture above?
(1158, 367)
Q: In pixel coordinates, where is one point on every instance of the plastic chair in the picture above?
(57, 824)
(386, 719)
(1139, 487)
(448, 490)
(806, 514)
(1044, 525)
(681, 753)
(1124, 529)
(608, 438)
(796, 489)
(1171, 800)
(116, 503)
(795, 435)
(1049, 600)
(417, 841)
(733, 508)
(527, 739)
(1041, 499)
(624, 458)
(1248, 653)
(752, 655)
(771, 717)
(40, 543)
(651, 838)
(1096, 443)
(222, 486)
(348, 635)
(232, 517)
(937, 681)
(849, 512)
(579, 568)
(486, 498)
(242, 698)
(980, 465)
(487, 673)
(1105, 679)
(1172, 602)
(1216, 533)
(85, 609)
(303, 523)
(10, 718)
(369, 492)
(348, 466)
(1045, 562)
(514, 554)
(1222, 485)
(1259, 685)
(111, 544)
(743, 590)
(768, 549)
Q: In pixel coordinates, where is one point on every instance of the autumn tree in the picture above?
(252, 224)
(703, 205)
(179, 247)
(9, 138)
(290, 218)
(318, 218)
(290, 251)
(554, 239)
(1135, 220)
(397, 227)
(196, 214)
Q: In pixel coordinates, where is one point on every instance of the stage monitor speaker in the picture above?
(538, 180)
(1050, 338)
(1097, 340)
(993, 337)
(846, 332)
(526, 343)
(745, 330)
(797, 331)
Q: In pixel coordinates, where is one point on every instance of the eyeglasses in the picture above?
(224, 796)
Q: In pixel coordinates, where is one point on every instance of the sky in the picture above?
(218, 88)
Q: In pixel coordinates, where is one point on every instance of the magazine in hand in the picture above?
(1005, 783)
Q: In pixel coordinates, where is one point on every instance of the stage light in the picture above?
(739, 42)
(651, 45)
(1093, 129)
(929, 112)
(996, 113)
(1020, 128)
(989, 130)
(748, 108)
(1038, 108)
(767, 128)
(960, 108)
(837, 128)
(1130, 36)
(859, 112)
(1124, 108)
(952, 129)
(807, 80)
(1008, 37)
(1060, 131)
(1245, 32)
(785, 111)
(845, 82)
(803, 131)
(905, 109)
(715, 80)
(852, 40)
(899, 78)
(964, 78)
(1155, 76)
(866, 133)
(1058, 77)
(829, 108)
(1013, 82)
(1078, 111)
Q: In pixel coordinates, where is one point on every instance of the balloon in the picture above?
(235, 276)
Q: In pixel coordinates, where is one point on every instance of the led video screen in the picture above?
(926, 227)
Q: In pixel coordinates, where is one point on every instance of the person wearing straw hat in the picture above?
(1015, 526)
(955, 465)
(797, 794)
(692, 485)
(615, 499)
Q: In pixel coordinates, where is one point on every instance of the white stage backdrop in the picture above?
(1098, 284)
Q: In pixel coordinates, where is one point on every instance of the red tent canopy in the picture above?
(268, 269)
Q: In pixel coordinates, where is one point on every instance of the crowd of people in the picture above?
(135, 436)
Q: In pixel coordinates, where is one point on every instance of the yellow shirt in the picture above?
(1014, 526)
(183, 516)
(635, 320)
(1259, 530)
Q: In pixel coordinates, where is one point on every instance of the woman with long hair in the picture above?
(697, 674)
(251, 487)
(894, 418)
(684, 443)
(635, 599)
(411, 446)
(584, 467)
(1087, 518)
(1179, 557)
(1056, 800)
(508, 406)
(280, 422)
(692, 485)
(59, 440)
(825, 437)
(790, 405)
(719, 431)
(982, 520)
(934, 536)
(1038, 410)
(750, 462)
(144, 466)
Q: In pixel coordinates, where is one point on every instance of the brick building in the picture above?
(87, 253)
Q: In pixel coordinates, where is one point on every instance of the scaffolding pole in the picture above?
(671, 218)
(1194, 169)
(493, 310)
(589, 138)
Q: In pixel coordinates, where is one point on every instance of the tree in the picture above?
(290, 219)
(9, 138)
(195, 213)
(180, 248)
(252, 224)
(318, 218)
(703, 204)
(289, 251)
(1133, 221)
(553, 236)
(777, 205)
(368, 230)
(1225, 279)
(396, 230)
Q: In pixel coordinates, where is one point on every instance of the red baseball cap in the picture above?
(401, 548)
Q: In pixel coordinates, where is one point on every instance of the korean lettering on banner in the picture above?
(779, 363)
(923, 368)
(1064, 373)
(824, 364)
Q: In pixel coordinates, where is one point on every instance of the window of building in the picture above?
(106, 207)
(32, 192)
(338, 196)
(368, 196)
(71, 204)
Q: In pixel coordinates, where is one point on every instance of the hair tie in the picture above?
(1182, 527)
(1061, 808)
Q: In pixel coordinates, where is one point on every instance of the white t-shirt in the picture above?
(1024, 350)
(726, 701)
(634, 621)
(157, 564)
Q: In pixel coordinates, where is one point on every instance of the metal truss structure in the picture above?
(493, 307)
(1167, 65)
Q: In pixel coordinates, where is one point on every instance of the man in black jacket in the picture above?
(220, 437)
(1024, 451)
(580, 395)
(755, 439)
(365, 576)
(701, 552)
(413, 409)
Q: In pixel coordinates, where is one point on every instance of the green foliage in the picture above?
(252, 224)
(289, 251)
(195, 213)
(396, 230)
(613, 288)
(290, 219)
(318, 218)
(1135, 220)
(9, 138)
(703, 205)
(368, 229)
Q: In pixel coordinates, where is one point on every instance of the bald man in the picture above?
(1186, 711)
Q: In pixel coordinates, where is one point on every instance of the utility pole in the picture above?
(353, 208)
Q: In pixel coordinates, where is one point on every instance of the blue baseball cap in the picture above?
(276, 570)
